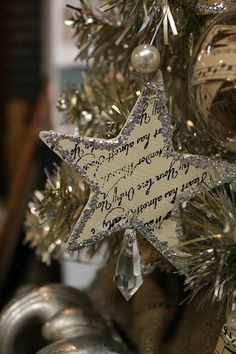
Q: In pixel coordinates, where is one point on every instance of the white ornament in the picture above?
(146, 59)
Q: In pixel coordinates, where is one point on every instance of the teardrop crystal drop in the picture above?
(128, 274)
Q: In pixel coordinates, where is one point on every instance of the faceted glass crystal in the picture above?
(128, 273)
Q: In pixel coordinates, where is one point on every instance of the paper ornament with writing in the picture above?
(135, 178)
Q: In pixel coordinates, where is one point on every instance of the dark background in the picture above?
(23, 112)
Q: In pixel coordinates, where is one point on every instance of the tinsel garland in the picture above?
(209, 245)
(102, 103)
(111, 34)
(53, 212)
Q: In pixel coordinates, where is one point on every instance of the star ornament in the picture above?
(136, 178)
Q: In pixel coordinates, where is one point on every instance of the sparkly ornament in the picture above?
(146, 59)
(207, 7)
(135, 178)
(128, 273)
(213, 80)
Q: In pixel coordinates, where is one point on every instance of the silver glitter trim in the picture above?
(213, 9)
(223, 169)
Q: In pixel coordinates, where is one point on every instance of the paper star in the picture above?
(135, 178)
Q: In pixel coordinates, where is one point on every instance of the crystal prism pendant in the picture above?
(128, 274)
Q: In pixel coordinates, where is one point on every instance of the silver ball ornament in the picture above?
(146, 59)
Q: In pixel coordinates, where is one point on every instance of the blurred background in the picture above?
(37, 58)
